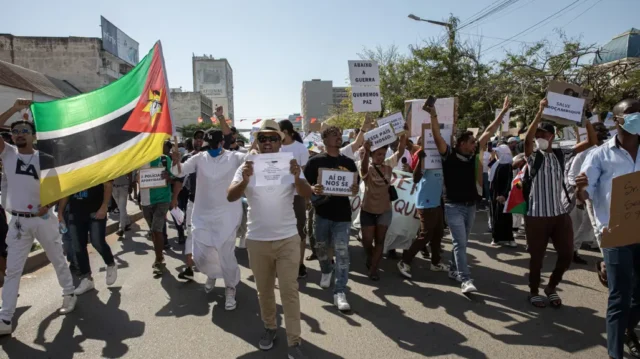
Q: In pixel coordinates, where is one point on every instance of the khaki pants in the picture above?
(282, 256)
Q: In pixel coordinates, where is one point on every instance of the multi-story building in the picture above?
(79, 61)
(316, 101)
(187, 107)
(214, 79)
(339, 95)
(297, 124)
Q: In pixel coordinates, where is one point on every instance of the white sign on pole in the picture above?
(366, 99)
(395, 119)
(336, 182)
(563, 106)
(364, 73)
(152, 178)
(380, 136)
(505, 120)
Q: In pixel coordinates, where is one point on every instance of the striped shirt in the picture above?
(546, 190)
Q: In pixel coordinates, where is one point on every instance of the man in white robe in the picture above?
(214, 220)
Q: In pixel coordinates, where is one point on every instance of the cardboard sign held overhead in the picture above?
(415, 116)
(564, 109)
(446, 131)
(624, 213)
(366, 99)
(396, 121)
(364, 73)
(505, 120)
(380, 136)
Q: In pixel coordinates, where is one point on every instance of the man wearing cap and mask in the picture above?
(273, 242)
(547, 217)
(616, 157)
(214, 220)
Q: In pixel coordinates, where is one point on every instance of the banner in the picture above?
(405, 222)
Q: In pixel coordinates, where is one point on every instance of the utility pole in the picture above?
(451, 31)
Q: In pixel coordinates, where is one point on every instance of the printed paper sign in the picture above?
(152, 178)
(336, 182)
(432, 160)
(364, 73)
(565, 107)
(395, 119)
(380, 136)
(272, 169)
(366, 99)
(430, 143)
(416, 116)
(505, 119)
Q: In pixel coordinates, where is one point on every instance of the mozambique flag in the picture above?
(101, 135)
(515, 202)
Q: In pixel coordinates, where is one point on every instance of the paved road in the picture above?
(143, 317)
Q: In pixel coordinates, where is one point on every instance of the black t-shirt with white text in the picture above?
(86, 202)
(336, 208)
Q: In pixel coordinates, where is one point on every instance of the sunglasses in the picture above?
(21, 131)
(273, 138)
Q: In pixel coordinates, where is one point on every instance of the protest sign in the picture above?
(312, 141)
(404, 221)
(624, 213)
(432, 160)
(271, 169)
(565, 89)
(380, 136)
(366, 99)
(315, 127)
(364, 73)
(396, 121)
(446, 131)
(336, 182)
(505, 120)
(415, 116)
(563, 107)
(152, 178)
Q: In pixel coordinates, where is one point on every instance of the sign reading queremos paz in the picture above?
(152, 178)
(336, 182)
(366, 99)
(380, 136)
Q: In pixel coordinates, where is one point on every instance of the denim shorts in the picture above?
(369, 219)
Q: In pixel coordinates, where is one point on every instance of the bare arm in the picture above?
(441, 144)
(489, 131)
(62, 204)
(401, 147)
(236, 189)
(364, 166)
(366, 126)
(592, 139)
(531, 131)
(19, 105)
(226, 130)
(417, 172)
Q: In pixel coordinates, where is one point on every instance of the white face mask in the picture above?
(542, 144)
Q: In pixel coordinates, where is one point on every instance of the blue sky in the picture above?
(274, 45)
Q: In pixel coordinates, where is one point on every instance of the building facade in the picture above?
(297, 125)
(316, 100)
(214, 79)
(79, 61)
(339, 95)
(187, 107)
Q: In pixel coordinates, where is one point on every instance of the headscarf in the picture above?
(504, 157)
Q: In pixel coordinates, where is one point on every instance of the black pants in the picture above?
(4, 228)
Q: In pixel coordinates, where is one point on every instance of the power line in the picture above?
(481, 11)
(534, 25)
(582, 13)
(508, 13)
(495, 38)
(496, 9)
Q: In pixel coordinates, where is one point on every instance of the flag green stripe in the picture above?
(69, 112)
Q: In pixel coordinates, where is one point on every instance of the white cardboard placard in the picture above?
(395, 119)
(380, 136)
(366, 99)
(152, 178)
(563, 106)
(364, 73)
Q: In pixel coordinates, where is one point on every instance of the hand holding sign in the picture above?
(247, 171)
(336, 182)
(380, 136)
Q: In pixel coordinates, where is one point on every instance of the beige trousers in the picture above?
(282, 256)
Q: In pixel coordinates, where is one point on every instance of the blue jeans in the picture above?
(81, 229)
(623, 308)
(460, 219)
(337, 233)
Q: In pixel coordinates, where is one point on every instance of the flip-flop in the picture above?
(554, 300)
(534, 299)
(602, 277)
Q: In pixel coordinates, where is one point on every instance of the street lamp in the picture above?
(451, 30)
(417, 18)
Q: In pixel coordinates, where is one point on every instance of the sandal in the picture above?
(602, 277)
(554, 300)
(537, 301)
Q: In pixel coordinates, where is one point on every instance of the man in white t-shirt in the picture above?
(272, 239)
(29, 220)
(214, 221)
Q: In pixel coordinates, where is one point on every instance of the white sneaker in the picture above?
(85, 285)
(5, 329)
(112, 274)
(68, 304)
(404, 269)
(468, 287)
(325, 281)
(455, 276)
(340, 300)
(439, 267)
(230, 298)
(512, 244)
(209, 285)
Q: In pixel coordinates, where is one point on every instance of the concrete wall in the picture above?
(317, 98)
(79, 60)
(186, 107)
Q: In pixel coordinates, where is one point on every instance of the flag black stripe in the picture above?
(82, 145)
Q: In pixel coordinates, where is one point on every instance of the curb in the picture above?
(38, 259)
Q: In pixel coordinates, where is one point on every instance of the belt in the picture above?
(23, 214)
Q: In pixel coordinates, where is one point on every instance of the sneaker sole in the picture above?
(470, 291)
(266, 347)
(230, 308)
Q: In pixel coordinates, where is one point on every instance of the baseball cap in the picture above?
(548, 127)
(513, 139)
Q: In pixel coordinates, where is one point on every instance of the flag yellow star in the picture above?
(154, 106)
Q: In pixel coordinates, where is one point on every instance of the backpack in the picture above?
(532, 171)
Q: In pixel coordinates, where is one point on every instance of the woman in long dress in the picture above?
(501, 178)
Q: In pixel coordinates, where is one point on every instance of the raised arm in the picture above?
(402, 145)
(417, 172)
(367, 125)
(441, 144)
(182, 169)
(19, 105)
(364, 166)
(493, 126)
(591, 140)
(531, 131)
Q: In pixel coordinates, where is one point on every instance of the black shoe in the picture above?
(186, 274)
(631, 341)
(302, 271)
(312, 257)
(425, 253)
(120, 233)
(577, 259)
(127, 227)
(392, 254)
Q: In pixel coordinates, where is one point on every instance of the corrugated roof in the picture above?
(626, 45)
(19, 77)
